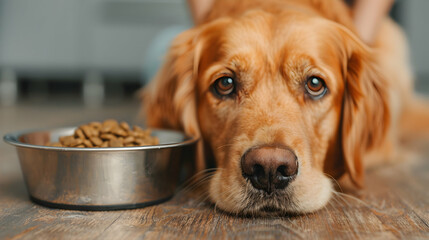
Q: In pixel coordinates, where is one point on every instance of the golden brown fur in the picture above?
(270, 48)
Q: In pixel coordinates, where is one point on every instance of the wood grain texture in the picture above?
(394, 204)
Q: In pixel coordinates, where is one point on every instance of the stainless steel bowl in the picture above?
(100, 178)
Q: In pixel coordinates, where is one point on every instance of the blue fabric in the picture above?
(157, 50)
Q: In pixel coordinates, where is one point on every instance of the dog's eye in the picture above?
(316, 87)
(224, 86)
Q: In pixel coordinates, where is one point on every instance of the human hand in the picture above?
(199, 9)
(368, 16)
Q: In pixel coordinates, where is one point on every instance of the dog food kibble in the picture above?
(109, 133)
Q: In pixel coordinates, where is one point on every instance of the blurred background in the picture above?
(92, 53)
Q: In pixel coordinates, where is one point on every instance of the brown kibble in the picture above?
(79, 134)
(106, 129)
(80, 146)
(137, 128)
(119, 132)
(115, 143)
(107, 136)
(110, 133)
(75, 142)
(125, 126)
(87, 143)
(87, 130)
(129, 139)
(141, 142)
(136, 134)
(109, 125)
(54, 144)
(96, 132)
(96, 141)
(66, 140)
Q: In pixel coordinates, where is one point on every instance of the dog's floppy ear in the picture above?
(365, 111)
(169, 101)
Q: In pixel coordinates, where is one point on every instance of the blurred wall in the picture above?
(67, 36)
(73, 36)
(415, 19)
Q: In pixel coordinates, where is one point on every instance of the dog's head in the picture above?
(281, 104)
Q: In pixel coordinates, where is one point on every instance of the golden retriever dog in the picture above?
(284, 97)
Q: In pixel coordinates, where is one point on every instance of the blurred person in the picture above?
(367, 15)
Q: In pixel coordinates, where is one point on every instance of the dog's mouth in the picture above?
(265, 210)
(270, 209)
(260, 202)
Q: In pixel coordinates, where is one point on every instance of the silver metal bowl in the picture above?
(100, 178)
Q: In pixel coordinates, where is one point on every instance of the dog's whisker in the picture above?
(332, 202)
(343, 202)
(201, 198)
(339, 203)
(335, 181)
(226, 145)
(346, 203)
(195, 182)
(215, 208)
(200, 174)
(196, 175)
(344, 195)
(198, 181)
(231, 195)
(194, 185)
(204, 197)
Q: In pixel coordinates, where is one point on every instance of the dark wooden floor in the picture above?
(395, 204)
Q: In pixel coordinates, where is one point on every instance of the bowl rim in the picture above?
(12, 139)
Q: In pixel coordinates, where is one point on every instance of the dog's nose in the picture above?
(269, 168)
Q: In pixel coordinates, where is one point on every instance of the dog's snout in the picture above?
(269, 168)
